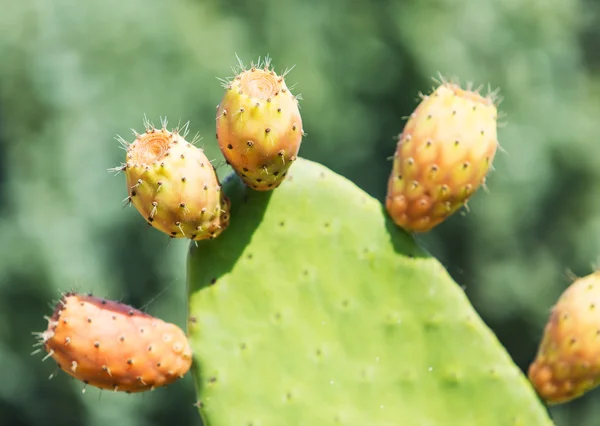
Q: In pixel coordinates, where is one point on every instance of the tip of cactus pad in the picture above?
(315, 309)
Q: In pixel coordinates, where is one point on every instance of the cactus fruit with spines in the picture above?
(173, 185)
(567, 364)
(259, 127)
(317, 306)
(442, 156)
(113, 346)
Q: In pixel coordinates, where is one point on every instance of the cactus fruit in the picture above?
(567, 364)
(174, 186)
(259, 127)
(315, 309)
(442, 157)
(111, 345)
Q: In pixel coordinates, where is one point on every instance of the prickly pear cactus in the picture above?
(173, 185)
(442, 156)
(259, 126)
(111, 345)
(315, 309)
(567, 363)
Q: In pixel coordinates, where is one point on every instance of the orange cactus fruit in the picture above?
(113, 346)
(259, 127)
(442, 156)
(567, 363)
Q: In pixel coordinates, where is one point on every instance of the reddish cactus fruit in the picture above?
(110, 345)
(567, 364)
(442, 157)
(174, 186)
(259, 127)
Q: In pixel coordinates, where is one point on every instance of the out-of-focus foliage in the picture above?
(75, 74)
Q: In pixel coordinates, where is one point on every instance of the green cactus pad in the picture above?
(314, 309)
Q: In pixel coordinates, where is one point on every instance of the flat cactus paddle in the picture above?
(315, 309)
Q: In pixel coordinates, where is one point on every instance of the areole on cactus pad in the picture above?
(316, 309)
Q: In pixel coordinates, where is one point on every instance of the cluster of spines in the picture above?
(265, 65)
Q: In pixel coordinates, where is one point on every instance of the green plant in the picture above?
(312, 306)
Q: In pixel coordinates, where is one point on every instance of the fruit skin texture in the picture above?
(567, 364)
(442, 157)
(111, 345)
(174, 186)
(259, 127)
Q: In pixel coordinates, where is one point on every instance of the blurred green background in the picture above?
(75, 74)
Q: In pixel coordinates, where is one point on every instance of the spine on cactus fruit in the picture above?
(259, 127)
(442, 156)
(110, 345)
(174, 186)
